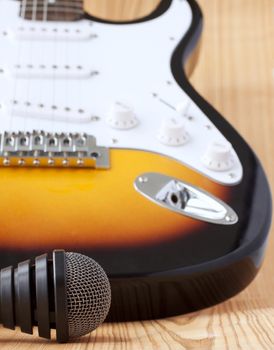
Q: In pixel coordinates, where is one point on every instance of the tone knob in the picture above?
(218, 156)
(172, 132)
(122, 116)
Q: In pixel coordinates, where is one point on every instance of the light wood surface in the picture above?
(120, 10)
(235, 73)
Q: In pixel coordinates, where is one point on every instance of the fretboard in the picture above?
(52, 10)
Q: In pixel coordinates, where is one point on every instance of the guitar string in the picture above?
(61, 10)
(82, 84)
(29, 77)
(65, 83)
(54, 79)
(67, 3)
(42, 54)
(41, 100)
(70, 6)
(35, 9)
(42, 64)
(70, 87)
(14, 101)
(64, 3)
(67, 80)
(45, 10)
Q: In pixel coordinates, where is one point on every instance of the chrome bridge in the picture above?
(42, 149)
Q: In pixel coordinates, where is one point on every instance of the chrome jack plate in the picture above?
(185, 199)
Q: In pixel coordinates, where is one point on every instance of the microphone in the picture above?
(69, 292)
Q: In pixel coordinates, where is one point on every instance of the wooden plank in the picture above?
(235, 73)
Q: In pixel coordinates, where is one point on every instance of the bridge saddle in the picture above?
(43, 149)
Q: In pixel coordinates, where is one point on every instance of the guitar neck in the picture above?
(51, 10)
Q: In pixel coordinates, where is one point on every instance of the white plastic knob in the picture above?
(172, 132)
(122, 116)
(218, 156)
(182, 107)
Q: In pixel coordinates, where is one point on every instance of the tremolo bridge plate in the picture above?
(41, 149)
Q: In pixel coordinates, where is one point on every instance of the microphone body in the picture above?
(69, 293)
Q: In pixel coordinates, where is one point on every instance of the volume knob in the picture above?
(172, 132)
(122, 116)
(218, 156)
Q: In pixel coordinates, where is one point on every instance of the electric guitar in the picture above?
(107, 149)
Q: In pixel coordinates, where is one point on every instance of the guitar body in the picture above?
(161, 260)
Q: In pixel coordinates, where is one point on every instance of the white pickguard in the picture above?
(133, 64)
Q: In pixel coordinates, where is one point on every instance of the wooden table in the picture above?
(235, 74)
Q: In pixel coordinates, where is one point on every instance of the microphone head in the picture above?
(69, 292)
(88, 294)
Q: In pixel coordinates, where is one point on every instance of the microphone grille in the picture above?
(88, 294)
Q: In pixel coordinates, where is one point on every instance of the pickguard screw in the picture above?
(95, 118)
(143, 179)
(6, 162)
(229, 218)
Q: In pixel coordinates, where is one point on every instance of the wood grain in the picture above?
(120, 10)
(235, 73)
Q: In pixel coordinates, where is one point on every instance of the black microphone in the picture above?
(69, 292)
